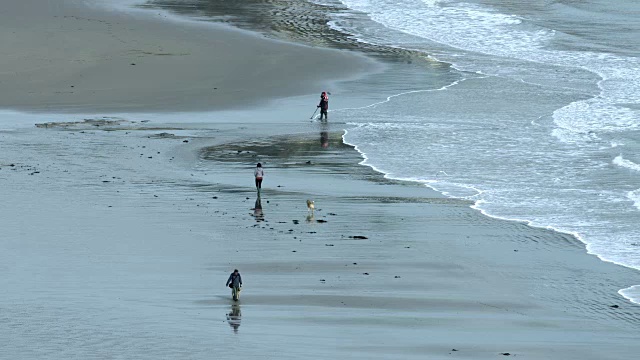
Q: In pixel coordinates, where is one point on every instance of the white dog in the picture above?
(311, 206)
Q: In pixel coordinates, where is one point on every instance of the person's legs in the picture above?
(258, 183)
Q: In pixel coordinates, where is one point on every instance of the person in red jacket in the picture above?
(324, 105)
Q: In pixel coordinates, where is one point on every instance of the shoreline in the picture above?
(475, 206)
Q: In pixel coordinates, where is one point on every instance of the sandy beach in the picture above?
(71, 57)
(123, 215)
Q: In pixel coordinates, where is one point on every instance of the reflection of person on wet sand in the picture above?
(257, 210)
(233, 317)
(324, 139)
(324, 136)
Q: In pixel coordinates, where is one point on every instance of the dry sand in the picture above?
(62, 56)
(117, 238)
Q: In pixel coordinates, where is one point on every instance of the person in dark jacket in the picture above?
(235, 283)
(324, 105)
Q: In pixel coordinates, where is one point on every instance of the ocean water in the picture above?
(541, 124)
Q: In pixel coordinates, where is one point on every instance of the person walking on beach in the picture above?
(258, 173)
(235, 283)
(324, 105)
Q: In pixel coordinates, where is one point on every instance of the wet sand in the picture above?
(118, 234)
(123, 252)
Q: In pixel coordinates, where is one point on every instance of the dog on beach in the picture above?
(311, 206)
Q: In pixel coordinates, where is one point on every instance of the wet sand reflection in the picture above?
(311, 218)
(324, 136)
(233, 317)
(257, 210)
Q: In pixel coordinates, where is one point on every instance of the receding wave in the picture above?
(622, 162)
